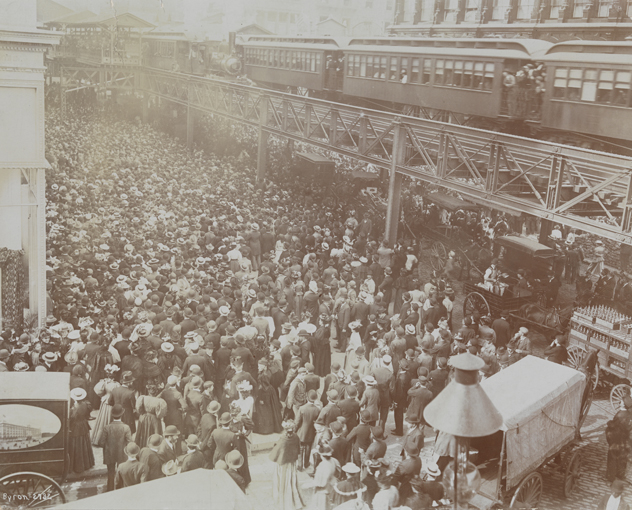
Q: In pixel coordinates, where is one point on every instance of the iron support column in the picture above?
(262, 145)
(395, 185)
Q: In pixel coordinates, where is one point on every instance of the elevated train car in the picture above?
(588, 86)
(293, 64)
(464, 76)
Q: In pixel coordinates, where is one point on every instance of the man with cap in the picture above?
(305, 430)
(350, 407)
(340, 446)
(521, 343)
(194, 458)
(114, 438)
(234, 460)
(199, 358)
(331, 411)
(371, 398)
(406, 471)
(377, 449)
(169, 449)
(312, 381)
(614, 500)
(329, 380)
(222, 440)
(176, 404)
(209, 420)
(502, 329)
(194, 405)
(420, 397)
(131, 472)
(125, 396)
(149, 457)
(438, 377)
(399, 394)
(297, 394)
(360, 437)
(384, 379)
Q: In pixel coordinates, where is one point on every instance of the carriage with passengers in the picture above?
(543, 406)
(34, 460)
(522, 306)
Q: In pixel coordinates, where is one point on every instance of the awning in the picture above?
(201, 489)
(523, 389)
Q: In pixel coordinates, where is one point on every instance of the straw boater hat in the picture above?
(170, 468)
(78, 394)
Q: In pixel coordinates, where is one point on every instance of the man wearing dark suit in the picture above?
(503, 331)
(175, 403)
(350, 407)
(188, 324)
(149, 457)
(360, 437)
(222, 440)
(331, 411)
(201, 360)
(305, 430)
(195, 406)
(194, 458)
(312, 381)
(222, 362)
(169, 449)
(556, 352)
(339, 445)
(125, 396)
(377, 449)
(114, 439)
(208, 423)
(130, 472)
(329, 379)
(399, 393)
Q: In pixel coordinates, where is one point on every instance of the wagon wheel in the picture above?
(528, 492)
(475, 302)
(30, 490)
(572, 472)
(576, 355)
(617, 394)
(438, 255)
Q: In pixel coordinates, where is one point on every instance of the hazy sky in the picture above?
(30, 416)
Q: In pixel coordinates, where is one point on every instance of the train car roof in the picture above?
(276, 41)
(530, 47)
(470, 53)
(599, 52)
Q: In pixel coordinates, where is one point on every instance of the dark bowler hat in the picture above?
(117, 411)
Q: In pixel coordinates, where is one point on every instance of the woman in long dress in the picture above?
(324, 479)
(103, 389)
(268, 413)
(152, 409)
(285, 453)
(79, 447)
(245, 401)
(321, 347)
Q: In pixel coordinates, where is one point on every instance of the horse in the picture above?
(555, 318)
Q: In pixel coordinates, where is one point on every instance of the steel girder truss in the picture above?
(581, 188)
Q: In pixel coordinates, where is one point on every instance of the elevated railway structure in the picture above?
(584, 189)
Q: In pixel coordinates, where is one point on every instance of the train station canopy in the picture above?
(540, 402)
(201, 489)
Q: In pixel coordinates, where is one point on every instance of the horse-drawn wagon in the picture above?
(34, 410)
(543, 406)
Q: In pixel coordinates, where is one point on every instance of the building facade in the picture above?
(11, 431)
(554, 20)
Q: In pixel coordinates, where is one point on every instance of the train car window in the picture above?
(383, 68)
(559, 84)
(425, 75)
(363, 66)
(351, 65)
(605, 87)
(457, 74)
(447, 72)
(574, 85)
(488, 79)
(621, 96)
(317, 61)
(394, 74)
(438, 79)
(467, 75)
(369, 68)
(478, 75)
(589, 86)
(414, 70)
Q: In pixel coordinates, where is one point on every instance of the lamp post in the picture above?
(464, 410)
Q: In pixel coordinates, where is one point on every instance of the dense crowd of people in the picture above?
(193, 307)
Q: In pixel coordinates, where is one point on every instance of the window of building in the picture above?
(499, 9)
(283, 17)
(525, 9)
(578, 9)
(272, 17)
